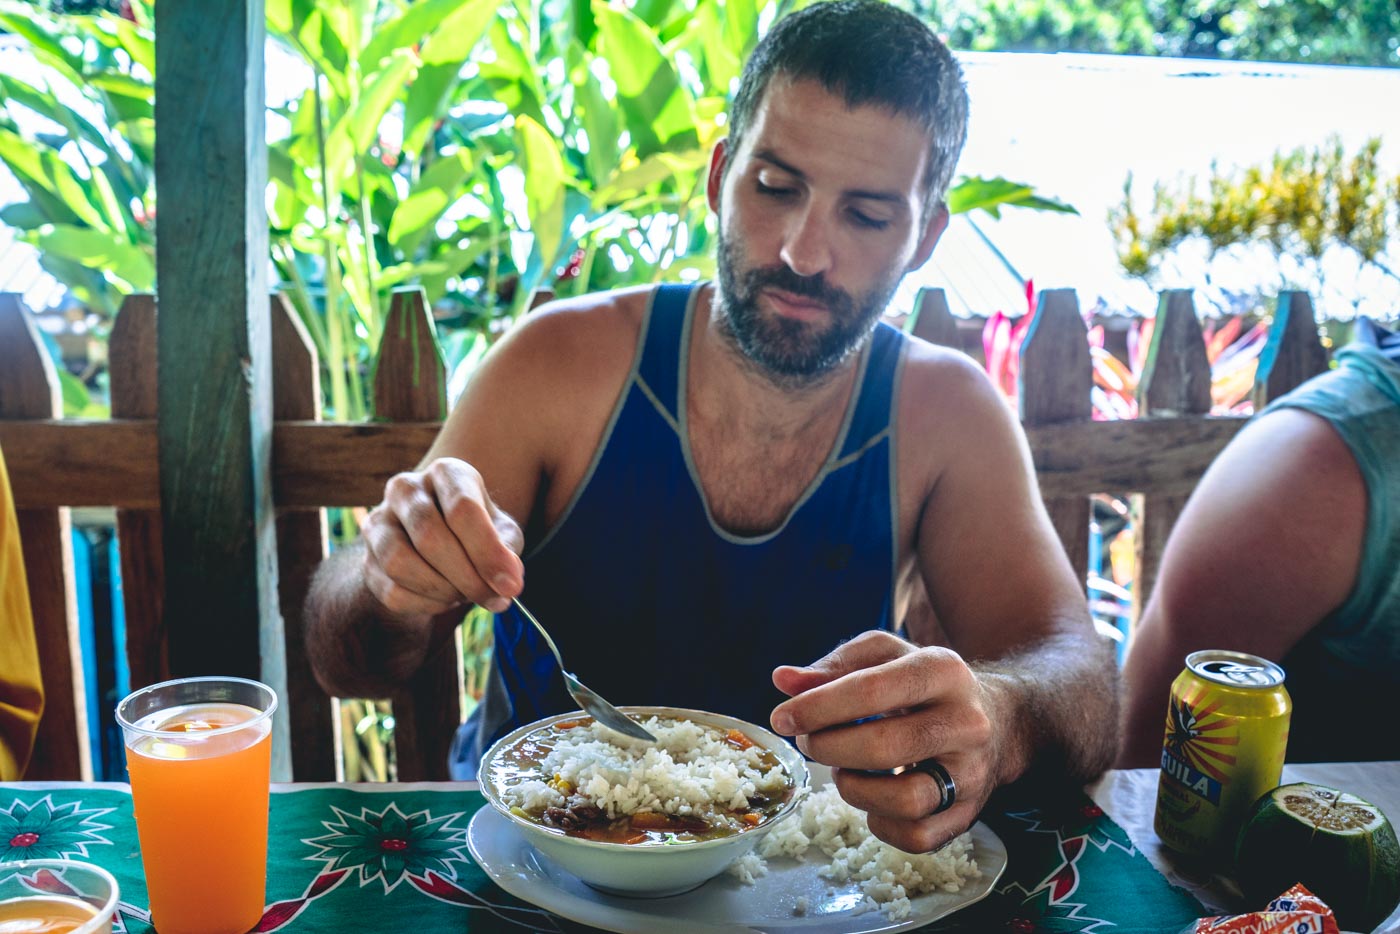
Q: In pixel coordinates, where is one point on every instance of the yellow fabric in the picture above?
(21, 691)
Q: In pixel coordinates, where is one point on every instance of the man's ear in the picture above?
(719, 158)
(933, 229)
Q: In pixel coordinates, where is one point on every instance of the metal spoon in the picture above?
(602, 711)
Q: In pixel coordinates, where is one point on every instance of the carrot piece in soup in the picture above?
(737, 739)
(650, 820)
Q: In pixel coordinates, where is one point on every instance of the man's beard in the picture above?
(788, 351)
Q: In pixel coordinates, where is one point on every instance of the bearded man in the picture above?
(711, 492)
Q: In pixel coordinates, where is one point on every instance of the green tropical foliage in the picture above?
(1299, 206)
(87, 173)
(485, 152)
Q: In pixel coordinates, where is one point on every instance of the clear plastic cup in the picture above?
(199, 754)
(56, 896)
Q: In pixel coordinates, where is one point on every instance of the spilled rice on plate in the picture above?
(888, 877)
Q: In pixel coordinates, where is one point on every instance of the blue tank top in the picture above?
(653, 603)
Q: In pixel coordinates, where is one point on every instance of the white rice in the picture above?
(689, 771)
(888, 877)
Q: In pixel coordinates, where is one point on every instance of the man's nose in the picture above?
(806, 246)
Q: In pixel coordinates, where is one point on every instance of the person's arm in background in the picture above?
(1024, 680)
(1268, 544)
(21, 689)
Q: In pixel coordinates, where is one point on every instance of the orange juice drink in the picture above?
(199, 759)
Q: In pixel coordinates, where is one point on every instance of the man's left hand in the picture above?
(926, 703)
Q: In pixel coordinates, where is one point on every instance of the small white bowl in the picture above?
(649, 870)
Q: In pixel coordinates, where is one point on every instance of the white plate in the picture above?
(723, 903)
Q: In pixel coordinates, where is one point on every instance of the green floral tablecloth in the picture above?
(394, 858)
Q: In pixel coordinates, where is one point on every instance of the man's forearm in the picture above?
(356, 650)
(1056, 707)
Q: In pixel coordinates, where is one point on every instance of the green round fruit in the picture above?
(1342, 848)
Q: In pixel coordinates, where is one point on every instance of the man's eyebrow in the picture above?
(767, 155)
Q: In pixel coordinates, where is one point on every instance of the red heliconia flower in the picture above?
(575, 266)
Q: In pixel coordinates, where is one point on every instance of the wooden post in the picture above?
(1175, 381)
(1055, 380)
(214, 344)
(29, 390)
(410, 383)
(301, 545)
(132, 371)
(935, 322)
(1293, 354)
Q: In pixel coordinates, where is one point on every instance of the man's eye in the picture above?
(865, 220)
(771, 190)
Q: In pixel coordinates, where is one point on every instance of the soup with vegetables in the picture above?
(695, 783)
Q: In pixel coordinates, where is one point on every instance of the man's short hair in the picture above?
(871, 53)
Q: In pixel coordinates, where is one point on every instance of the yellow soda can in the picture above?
(1227, 731)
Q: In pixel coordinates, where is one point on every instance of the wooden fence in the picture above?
(56, 464)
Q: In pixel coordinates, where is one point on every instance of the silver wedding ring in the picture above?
(947, 788)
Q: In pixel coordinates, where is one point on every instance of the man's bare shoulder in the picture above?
(942, 389)
(581, 335)
(561, 367)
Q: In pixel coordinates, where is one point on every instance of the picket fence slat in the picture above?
(1053, 386)
(302, 543)
(935, 322)
(1294, 352)
(29, 389)
(132, 349)
(410, 382)
(1175, 381)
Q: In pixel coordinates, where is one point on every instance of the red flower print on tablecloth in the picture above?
(43, 830)
(390, 846)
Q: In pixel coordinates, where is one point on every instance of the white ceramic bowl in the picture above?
(648, 870)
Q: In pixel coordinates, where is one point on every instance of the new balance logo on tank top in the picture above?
(653, 603)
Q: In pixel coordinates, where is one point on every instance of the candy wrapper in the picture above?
(1296, 911)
